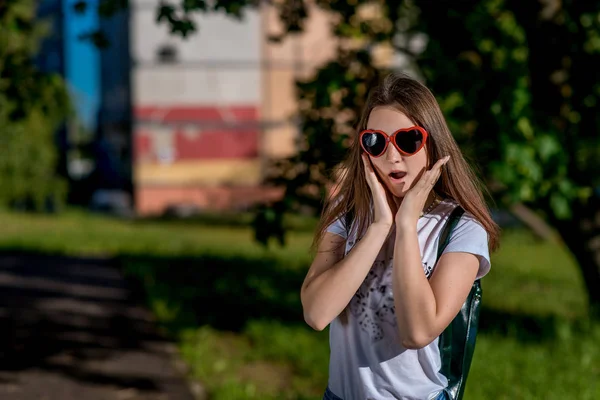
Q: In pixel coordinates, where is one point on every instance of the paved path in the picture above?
(70, 328)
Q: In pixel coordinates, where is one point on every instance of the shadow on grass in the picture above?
(226, 293)
(528, 328)
(222, 292)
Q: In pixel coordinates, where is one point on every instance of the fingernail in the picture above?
(447, 158)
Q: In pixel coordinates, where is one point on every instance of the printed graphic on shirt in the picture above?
(373, 303)
(428, 269)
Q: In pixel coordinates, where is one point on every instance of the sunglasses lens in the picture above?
(410, 141)
(373, 143)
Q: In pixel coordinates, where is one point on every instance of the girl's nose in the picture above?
(392, 154)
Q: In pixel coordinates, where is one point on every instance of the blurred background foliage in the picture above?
(33, 105)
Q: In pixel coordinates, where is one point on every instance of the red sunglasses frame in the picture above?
(392, 138)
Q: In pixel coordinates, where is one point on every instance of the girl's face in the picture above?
(398, 172)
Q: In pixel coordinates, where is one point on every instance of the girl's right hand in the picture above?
(382, 200)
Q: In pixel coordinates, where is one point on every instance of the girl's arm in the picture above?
(424, 308)
(333, 279)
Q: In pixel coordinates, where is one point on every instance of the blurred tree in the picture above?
(507, 73)
(268, 223)
(32, 106)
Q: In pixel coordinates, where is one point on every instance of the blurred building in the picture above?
(210, 109)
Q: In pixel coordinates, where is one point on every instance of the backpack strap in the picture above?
(448, 228)
(457, 342)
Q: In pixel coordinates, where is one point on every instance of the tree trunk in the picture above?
(538, 225)
(581, 234)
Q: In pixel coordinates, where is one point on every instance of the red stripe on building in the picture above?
(233, 140)
(216, 144)
(194, 113)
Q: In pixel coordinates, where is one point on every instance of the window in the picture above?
(166, 54)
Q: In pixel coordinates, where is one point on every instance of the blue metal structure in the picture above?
(99, 84)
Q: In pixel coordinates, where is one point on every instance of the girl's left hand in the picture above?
(414, 200)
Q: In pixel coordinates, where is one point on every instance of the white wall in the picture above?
(219, 64)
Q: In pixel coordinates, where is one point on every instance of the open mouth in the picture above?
(397, 174)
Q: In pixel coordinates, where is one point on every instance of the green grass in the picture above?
(535, 277)
(234, 306)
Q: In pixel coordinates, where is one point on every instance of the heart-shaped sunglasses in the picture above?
(408, 141)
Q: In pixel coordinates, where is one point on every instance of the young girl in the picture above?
(375, 280)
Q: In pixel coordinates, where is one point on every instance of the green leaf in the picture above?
(560, 206)
(165, 13)
(547, 147)
(525, 127)
(193, 5)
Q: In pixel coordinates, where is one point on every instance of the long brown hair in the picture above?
(458, 181)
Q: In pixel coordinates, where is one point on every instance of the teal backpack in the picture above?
(457, 342)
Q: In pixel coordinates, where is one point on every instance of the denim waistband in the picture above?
(443, 396)
(329, 395)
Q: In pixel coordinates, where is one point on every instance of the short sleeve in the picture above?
(469, 236)
(338, 227)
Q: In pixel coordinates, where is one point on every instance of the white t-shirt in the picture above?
(367, 359)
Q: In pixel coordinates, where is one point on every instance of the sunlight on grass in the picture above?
(534, 277)
(77, 233)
